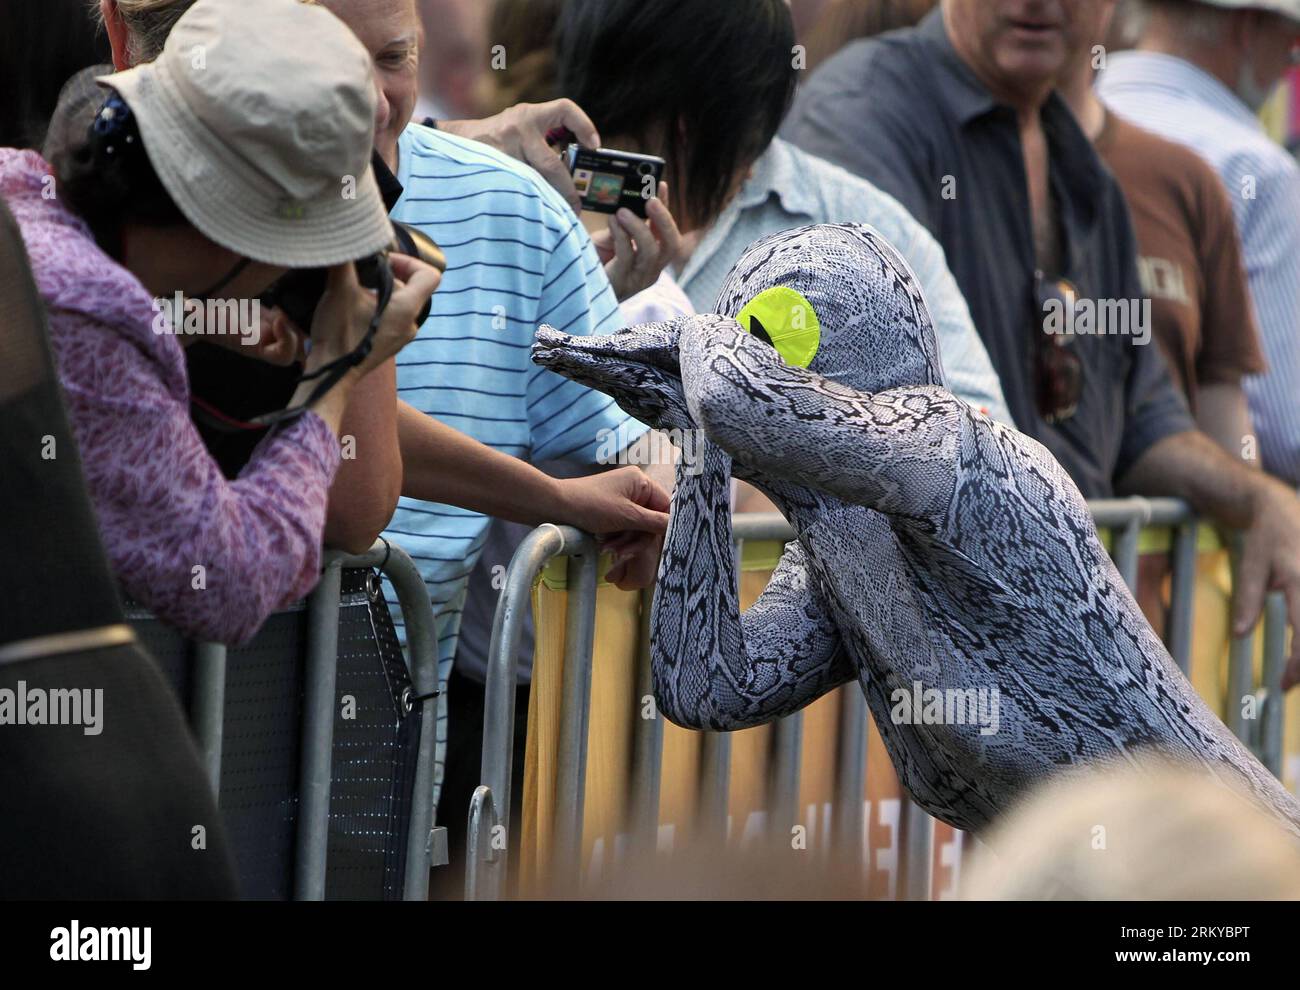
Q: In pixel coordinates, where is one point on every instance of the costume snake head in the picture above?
(838, 300)
(638, 367)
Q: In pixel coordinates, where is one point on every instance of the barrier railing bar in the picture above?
(918, 857)
(208, 714)
(210, 708)
(783, 803)
(1241, 662)
(422, 646)
(1126, 552)
(480, 847)
(715, 787)
(575, 711)
(850, 776)
(1272, 714)
(647, 744)
(761, 527)
(1182, 605)
(485, 876)
(1159, 513)
(317, 736)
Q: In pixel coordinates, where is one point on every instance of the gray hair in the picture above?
(148, 22)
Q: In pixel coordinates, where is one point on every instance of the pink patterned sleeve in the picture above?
(212, 557)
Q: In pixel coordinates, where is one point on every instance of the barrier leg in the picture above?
(783, 805)
(318, 737)
(1126, 551)
(1272, 715)
(647, 746)
(422, 646)
(571, 785)
(480, 847)
(918, 854)
(485, 875)
(210, 707)
(1241, 674)
(1183, 596)
(851, 776)
(715, 787)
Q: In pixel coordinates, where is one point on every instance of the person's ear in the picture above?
(115, 26)
(280, 342)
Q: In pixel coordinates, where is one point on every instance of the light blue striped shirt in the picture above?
(1183, 103)
(790, 188)
(517, 257)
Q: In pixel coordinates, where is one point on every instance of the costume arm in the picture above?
(715, 668)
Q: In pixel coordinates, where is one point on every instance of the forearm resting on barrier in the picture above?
(1192, 467)
(443, 465)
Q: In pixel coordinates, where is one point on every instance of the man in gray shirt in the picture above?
(959, 120)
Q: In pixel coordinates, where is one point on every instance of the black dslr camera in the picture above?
(299, 292)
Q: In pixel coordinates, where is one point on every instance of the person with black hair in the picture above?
(104, 793)
(706, 86)
(43, 44)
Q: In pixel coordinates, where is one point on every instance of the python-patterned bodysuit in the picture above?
(933, 544)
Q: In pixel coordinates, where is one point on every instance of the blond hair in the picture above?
(148, 23)
(1147, 832)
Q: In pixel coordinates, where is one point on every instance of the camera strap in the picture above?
(331, 374)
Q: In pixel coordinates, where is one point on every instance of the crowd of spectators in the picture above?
(1019, 165)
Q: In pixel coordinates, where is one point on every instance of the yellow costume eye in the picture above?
(782, 317)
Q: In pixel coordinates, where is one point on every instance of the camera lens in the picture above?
(645, 168)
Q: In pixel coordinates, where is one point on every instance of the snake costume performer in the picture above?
(934, 546)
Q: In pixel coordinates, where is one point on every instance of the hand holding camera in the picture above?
(634, 251)
(346, 318)
(347, 309)
(642, 239)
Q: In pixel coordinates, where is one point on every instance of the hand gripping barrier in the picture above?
(1127, 522)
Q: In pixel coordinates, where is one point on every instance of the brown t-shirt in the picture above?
(1189, 257)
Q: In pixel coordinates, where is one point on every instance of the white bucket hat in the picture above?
(1287, 8)
(258, 117)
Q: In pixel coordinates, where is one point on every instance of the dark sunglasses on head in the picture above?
(1058, 367)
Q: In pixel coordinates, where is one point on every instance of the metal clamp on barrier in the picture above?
(422, 647)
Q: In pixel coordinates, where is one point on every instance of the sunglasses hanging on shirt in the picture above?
(1059, 368)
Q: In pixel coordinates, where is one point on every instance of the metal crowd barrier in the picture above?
(319, 706)
(489, 813)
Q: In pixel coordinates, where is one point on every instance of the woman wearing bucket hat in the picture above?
(237, 155)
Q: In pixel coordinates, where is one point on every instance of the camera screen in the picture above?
(599, 188)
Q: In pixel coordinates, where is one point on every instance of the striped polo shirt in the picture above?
(1184, 103)
(517, 257)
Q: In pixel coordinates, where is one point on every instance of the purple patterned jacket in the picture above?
(212, 557)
